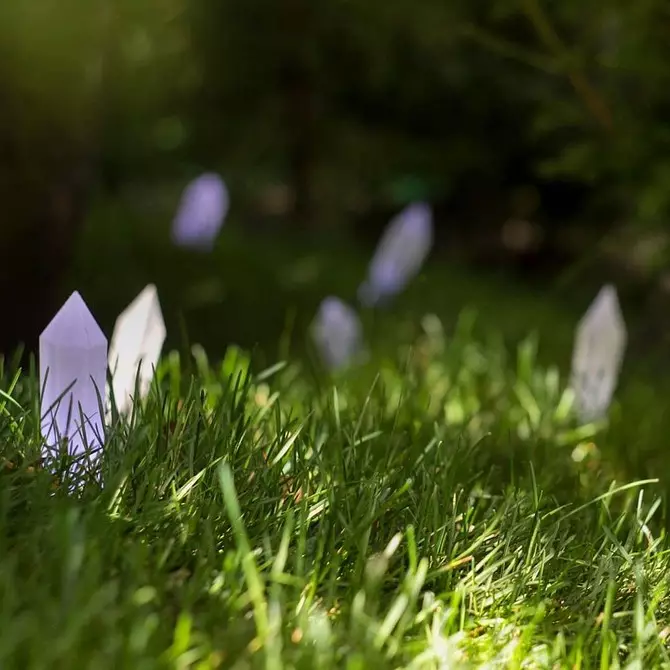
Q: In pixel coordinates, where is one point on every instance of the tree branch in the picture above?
(591, 98)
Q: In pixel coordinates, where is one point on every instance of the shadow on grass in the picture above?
(261, 290)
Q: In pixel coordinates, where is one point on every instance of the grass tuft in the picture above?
(437, 509)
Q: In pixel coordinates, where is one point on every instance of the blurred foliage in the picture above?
(49, 85)
(351, 103)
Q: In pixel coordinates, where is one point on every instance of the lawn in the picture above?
(437, 507)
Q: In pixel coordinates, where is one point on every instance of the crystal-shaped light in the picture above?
(202, 210)
(400, 254)
(337, 333)
(596, 361)
(136, 344)
(73, 367)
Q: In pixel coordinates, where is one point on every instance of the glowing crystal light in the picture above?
(73, 367)
(136, 344)
(202, 210)
(337, 332)
(598, 353)
(400, 254)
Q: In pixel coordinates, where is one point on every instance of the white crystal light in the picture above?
(136, 344)
(73, 354)
(400, 254)
(202, 210)
(337, 332)
(596, 361)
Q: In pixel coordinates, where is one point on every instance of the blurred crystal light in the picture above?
(202, 210)
(598, 353)
(337, 332)
(399, 255)
(73, 358)
(137, 341)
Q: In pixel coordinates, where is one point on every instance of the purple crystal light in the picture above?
(399, 255)
(337, 332)
(202, 210)
(136, 347)
(73, 355)
(600, 343)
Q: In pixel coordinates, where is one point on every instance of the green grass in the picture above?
(437, 508)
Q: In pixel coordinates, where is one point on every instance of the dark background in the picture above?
(538, 131)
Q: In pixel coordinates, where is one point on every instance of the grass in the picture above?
(439, 507)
